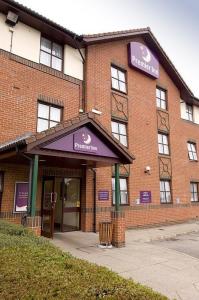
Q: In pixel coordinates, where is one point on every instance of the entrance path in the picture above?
(165, 258)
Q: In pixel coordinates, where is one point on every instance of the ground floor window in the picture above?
(194, 191)
(123, 190)
(165, 191)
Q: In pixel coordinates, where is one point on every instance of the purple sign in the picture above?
(103, 195)
(85, 141)
(145, 197)
(141, 57)
(21, 196)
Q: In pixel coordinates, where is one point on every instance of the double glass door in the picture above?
(60, 205)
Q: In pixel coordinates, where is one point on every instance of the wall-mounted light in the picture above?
(147, 170)
(12, 18)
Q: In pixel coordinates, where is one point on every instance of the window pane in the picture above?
(46, 45)
(113, 184)
(122, 86)
(123, 140)
(55, 114)
(163, 104)
(42, 125)
(158, 93)
(43, 111)
(167, 186)
(158, 102)
(115, 127)
(166, 150)
(165, 140)
(116, 136)
(56, 63)
(122, 128)
(57, 50)
(161, 150)
(52, 124)
(124, 197)
(121, 76)
(115, 84)
(159, 138)
(163, 95)
(114, 72)
(123, 184)
(45, 58)
(195, 156)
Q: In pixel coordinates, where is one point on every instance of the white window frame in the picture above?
(192, 151)
(165, 192)
(194, 191)
(163, 145)
(123, 192)
(119, 78)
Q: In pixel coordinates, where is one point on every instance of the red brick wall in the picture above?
(142, 135)
(20, 89)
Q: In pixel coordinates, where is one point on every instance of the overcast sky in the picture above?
(175, 23)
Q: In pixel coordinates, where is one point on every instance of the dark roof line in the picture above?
(42, 18)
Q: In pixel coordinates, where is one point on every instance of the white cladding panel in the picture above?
(73, 64)
(5, 34)
(196, 114)
(26, 42)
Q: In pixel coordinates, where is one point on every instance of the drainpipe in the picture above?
(94, 199)
(84, 76)
(117, 188)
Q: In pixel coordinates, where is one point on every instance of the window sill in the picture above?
(118, 91)
(161, 109)
(193, 160)
(166, 203)
(164, 155)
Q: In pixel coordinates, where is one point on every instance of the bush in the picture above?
(32, 268)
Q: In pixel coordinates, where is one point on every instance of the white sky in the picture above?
(175, 23)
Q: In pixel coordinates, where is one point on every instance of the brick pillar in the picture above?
(118, 220)
(34, 224)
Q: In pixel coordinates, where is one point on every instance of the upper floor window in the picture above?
(161, 100)
(194, 191)
(189, 113)
(163, 143)
(123, 190)
(192, 151)
(48, 116)
(165, 191)
(118, 79)
(119, 132)
(51, 54)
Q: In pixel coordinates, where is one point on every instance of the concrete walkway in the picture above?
(168, 271)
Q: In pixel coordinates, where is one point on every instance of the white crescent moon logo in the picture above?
(86, 138)
(146, 56)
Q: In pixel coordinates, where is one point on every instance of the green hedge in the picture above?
(32, 268)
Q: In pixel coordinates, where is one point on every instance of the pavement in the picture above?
(164, 258)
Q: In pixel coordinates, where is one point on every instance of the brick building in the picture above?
(93, 128)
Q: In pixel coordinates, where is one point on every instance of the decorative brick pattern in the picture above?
(119, 106)
(163, 120)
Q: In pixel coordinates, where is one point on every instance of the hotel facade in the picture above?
(93, 128)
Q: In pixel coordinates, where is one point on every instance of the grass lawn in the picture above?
(32, 268)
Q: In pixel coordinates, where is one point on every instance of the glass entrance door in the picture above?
(71, 204)
(48, 207)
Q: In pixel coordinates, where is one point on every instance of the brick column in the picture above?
(34, 224)
(118, 220)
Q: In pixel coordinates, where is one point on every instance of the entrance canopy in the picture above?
(76, 142)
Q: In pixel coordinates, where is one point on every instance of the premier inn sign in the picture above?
(141, 58)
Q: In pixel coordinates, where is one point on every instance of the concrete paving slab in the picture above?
(168, 264)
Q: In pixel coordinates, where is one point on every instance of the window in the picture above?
(119, 132)
(123, 191)
(163, 145)
(161, 101)
(118, 79)
(48, 116)
(194, 191)
(165, 191)
(192, 151)
(51, 54)
(189, 113)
